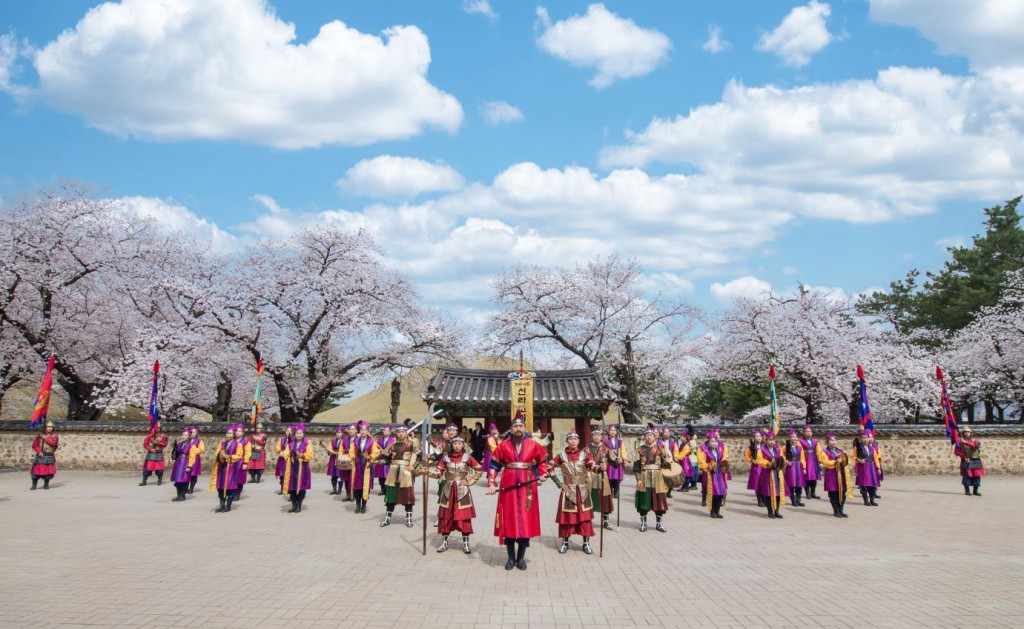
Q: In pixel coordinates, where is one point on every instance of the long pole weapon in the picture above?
(425, 447)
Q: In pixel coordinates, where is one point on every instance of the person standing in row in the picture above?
(517, 516)
(258, 460)
(836, 472)
(750, 456)
(344, 462)
(687, 457)
(184, 455)
(714, 464)
(154, 444)
(333, 447)
(651, 489)
(44, 463)
(796, 469)
(868, 463)
(398, 486)
(600, 488)
(197, 467)
(279, 449)
(490, 445)
(298, 478)
(246, 444)
(575, 512)
(616, 459)
(971, 467)
(363, 452)
(227, 461)
(455, 509)
(812, 450)
(772, 478)
(668, 443)
(380, 468)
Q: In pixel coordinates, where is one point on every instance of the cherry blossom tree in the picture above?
(596, 315)
(815, 340)
(320, 308)
(985, 359)
(67, 261)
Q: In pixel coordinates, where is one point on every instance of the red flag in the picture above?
(43, 399)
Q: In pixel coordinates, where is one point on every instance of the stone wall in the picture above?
(905, 449)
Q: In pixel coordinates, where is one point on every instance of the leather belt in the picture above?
(651, 467)
(519, 466)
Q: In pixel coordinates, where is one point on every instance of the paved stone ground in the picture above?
(97, 550)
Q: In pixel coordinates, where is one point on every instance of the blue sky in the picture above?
(728, 146)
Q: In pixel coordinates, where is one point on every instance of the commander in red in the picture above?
(522, 464)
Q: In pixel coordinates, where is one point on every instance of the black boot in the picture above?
(35, 481)
(223, 502)
(864, 495)
(159, 478)
(760, 501)
(510, 548)
(295, 503)
(703, 499)
(777, 514)
(192, 484)
(348, 495)
(334, 487)
(228, 506)
(145, 480)
(798, 499)
(976, 492)
(871, 493)
(521, 555)
(771, 512)
(967, 490)
(298, 504)
(46, 483)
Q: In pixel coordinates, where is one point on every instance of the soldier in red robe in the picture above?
(522, 464)
(575, 503)
(154, 444)
(44, 464)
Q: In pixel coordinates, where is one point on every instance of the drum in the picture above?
(344, 462)
(674, 475)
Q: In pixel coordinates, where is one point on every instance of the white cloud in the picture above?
(498, 112)
(987, 32)
(8, 57)
(953, 242)
(231, 70)
(790, 270)
(801, 34)
(480, 7)
(388, 176)
(715, 44)
(860, 151)
(616, 47)
(747, 286)
(175, 217)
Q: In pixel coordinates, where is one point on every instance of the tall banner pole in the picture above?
(425, 447)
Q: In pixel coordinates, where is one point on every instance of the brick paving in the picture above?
(97, 550)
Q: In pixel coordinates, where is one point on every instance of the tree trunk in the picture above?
(287, 402)
(970, 413)
(855, 402)
(989, 416)
(222, 407)
(396, 399)
(80, 406)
